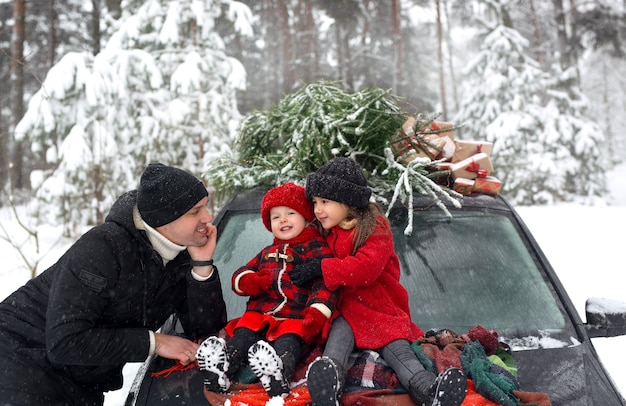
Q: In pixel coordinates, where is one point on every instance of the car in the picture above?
(480, 265)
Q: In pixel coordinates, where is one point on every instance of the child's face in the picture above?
(329, 212)
(286, 222)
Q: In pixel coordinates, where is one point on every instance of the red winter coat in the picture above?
(372, 300)
(280, 308)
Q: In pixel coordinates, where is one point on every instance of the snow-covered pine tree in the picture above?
(602, 82)
(571, 125)
(545, 147)
(163, 89)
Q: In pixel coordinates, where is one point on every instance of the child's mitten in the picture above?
(312, 324)
(253, 283)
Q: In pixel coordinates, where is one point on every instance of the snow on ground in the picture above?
(583, 243)
(584, 246)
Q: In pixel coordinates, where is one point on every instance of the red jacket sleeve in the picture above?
(365, 266)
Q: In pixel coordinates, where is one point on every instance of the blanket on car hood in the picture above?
(488, 364)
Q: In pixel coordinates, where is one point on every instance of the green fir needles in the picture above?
(316, 123)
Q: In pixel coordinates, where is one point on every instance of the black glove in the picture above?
(302, 275)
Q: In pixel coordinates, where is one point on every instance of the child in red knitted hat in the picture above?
(277, 312)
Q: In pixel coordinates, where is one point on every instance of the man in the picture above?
(65, 335)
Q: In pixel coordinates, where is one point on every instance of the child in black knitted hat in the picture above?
(277, 312)
(374, 305)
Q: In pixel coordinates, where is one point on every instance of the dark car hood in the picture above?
(565, 381)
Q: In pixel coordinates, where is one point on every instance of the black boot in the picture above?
(325, 380)
(213, 363)
(268, 367)
(289, 366)
(447, 389)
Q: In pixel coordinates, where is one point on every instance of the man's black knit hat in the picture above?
(165, 193)
(341, 180)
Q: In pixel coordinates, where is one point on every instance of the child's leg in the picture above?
(401, 358)
(289, 348)
(237, 347)
(340, 343)
(446, 389)
(326, 375)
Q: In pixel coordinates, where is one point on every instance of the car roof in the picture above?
(250, 199)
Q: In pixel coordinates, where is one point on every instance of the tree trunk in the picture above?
(311, 58)
(365, 32)
(272, 87)
(562, 40)
(345, 14)
(573, 55)
(608, 113)
(17, 91)
(52, 34)
(4, 153)
(286, 48)
(442, 74)
(397, 44)
(536, 33)
(115, 8)
(451, 51)
(347, 60)
(507, 21)
(95, 26)
(341, 60)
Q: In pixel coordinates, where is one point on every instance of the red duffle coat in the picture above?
(279, 309)
(372, 300)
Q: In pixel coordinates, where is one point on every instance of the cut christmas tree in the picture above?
(321, 121)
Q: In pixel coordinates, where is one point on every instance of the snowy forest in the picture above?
(94, 91)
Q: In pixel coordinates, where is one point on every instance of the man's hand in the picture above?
(205, 252)
(176, 348)
(304, 274)
(253, 283)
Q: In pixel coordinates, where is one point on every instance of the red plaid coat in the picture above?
(284, 300)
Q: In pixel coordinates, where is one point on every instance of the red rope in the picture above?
(177, 367)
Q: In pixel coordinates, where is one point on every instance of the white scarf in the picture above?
(166, 249)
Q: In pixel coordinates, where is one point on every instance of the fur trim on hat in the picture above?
(341, 180)
(166, 193)
(289, 195)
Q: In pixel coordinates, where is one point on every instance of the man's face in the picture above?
(189, 229)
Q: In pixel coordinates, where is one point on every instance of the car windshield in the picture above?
(474, 269)
(241, 236)
(471, 269)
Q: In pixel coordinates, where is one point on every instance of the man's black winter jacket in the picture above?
(89, 314)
